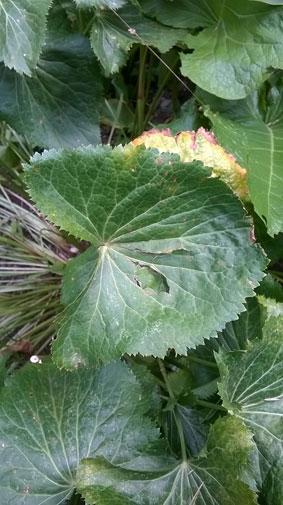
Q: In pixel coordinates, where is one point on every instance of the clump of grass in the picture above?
(32, 256)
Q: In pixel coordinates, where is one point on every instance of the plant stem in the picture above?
(181, 435)
(210, 405)
(157, 96)
(176, 415)
(164, 375)
(141, 89)
(201, 361)
(175, 361)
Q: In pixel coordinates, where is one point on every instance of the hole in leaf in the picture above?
(148, 279)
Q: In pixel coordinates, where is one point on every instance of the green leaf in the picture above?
(252, 389)
(51, 419)
(270, 2)
(58, 105)
(237, 334)
(272, 246)
(239, 42)
(111, 4)
(112, 36)
(22, 30)
(271, 306)
(181, 14)
(270, 288)
(187, 119)
(255, 137)
(144, 211)
(194, 428)
(207, 480)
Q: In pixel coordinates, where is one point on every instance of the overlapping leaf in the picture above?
(180, 14)
(252, 389)
(58, 106)
(255, 137)
(199, 145)
(194, 428)
(207, 480)
(240, 41)
(50, 420)
(144, 213)
(22, 30)
(237, 334)
(112, 36)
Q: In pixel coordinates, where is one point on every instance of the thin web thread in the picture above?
(133, 32)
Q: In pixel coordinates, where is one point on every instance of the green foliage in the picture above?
(58, 105)
(22, 30)
(111, 38)
(251, 389)
(146, 218)
(173, 234)
(253, 130)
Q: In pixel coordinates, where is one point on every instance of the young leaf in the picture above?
(22, 30)
(207, 480)
(58, 105)
(112, 36)
(144, 211)
(252, 389)
(51, 419)
(255, 137)
(221, 48)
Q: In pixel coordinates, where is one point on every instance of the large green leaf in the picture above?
(112, 36)
(240, 41)
(254, 135)
(252, 389)
(210, 480)
(22, 30)
(172, 260)
(58, 106)
(50, 420)
(181, 14)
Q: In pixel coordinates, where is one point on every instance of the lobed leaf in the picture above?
(199, 145)
(252, 389)
(58, 106)
(207, 480)
(255, 137)
(112, 36)
(239, 43)
(51, 419)
(172, 260)
(22, 31)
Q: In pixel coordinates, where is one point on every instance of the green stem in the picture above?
(176, 415)
(175, 361)
(181, 435)
(157, 96)
(164, 375)
(141, 89)
(201, 361)
(210, 405)
(85, 31)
